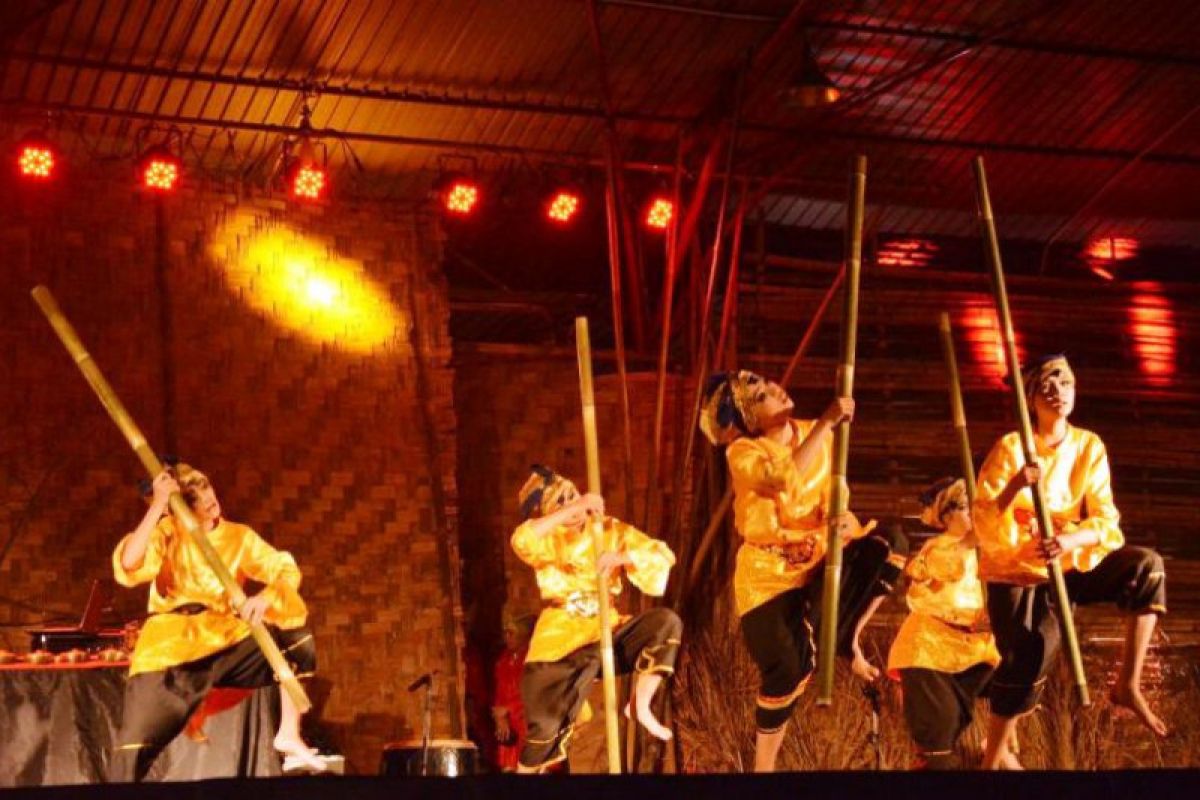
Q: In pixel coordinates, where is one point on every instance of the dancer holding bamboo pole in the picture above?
(579, 553)
(1045, 508)
(203, 630)
(944, 653)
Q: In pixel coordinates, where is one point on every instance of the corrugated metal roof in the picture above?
(1059, 95)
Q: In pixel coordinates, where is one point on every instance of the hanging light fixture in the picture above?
(307, 177)
(160, 169)
(810, 87)
(36, 157)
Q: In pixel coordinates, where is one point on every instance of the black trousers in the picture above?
(780, 634)
(938, 707)
(157, 704)
(1026, 622)
(554, 691)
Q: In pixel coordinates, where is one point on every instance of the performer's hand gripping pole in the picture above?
(987, 224)
(839, 500)
(179, 507)
(957, 411)
(608, 671)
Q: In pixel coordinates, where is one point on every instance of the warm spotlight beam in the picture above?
(179, 507)
(1058, 586)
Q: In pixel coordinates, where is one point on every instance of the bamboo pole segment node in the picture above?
(179, 507)
(612, 736)
(839, 499)
(987, 224)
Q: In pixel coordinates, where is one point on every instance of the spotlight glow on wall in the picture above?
(1154, 332)
(980, 329)
(299, 283)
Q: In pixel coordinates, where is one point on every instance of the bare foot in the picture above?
(864, 669)
(1131, 697)
(647, 720)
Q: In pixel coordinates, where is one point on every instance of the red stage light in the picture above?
(1112, 248)
(460, 197)
(308, 181)
(36, 157)
(659, 214)
(563, 206)
(160, 170)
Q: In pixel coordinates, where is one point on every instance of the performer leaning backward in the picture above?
(1072, 469)
(564, 654)
(193, 641)
(780, 468)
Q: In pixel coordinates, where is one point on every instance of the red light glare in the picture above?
(980, 326)
(35, 161)
(160, 174)
(1112, 248)
(906, 253)
(563, 207)
(1154, 333)
(309, 182)
(659, 215)
(461, 197)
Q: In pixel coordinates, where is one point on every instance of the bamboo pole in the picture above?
(612, 736)
(179, 507)
(987, 224)
(839, 490)
(957, 412)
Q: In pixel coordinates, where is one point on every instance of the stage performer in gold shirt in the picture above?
(780, 468)
(1072, 466)
(564, 653)
(944, 653)
(193, 641)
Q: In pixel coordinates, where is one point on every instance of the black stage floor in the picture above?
(1123, 785)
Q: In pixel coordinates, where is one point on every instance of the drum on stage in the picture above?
(447, 758)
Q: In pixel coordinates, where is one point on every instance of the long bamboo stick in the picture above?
(179, 507)
(957, 412)
(987, 224)
(839, 499)
(591, 443)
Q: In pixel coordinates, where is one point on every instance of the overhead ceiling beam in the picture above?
(874, 29)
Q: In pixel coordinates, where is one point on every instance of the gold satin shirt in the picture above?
(565, 566)
(780, 515)
(1078, 495)
(179, 575)
(947, 628)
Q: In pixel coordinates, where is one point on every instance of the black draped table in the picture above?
(58, 722)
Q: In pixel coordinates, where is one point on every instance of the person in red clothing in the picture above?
(508, 713)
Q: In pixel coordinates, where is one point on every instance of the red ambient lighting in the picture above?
(160, 173)
(308, 182)
(980, 328)
(563, 207)
(1103, 255)
(906, 253)
(461, 197)
(659, 214)
(1154, 333)
(35, 160)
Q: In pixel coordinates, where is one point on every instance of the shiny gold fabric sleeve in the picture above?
(151, 561)
(652, 559)
(753, 469)
(536, 551)
(939, 560)
(277, 570)
(1101, 512)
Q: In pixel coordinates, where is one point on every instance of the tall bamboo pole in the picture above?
(612, 738)
(839, 490)
(179, 507)
(957, 412)
(987, 224)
